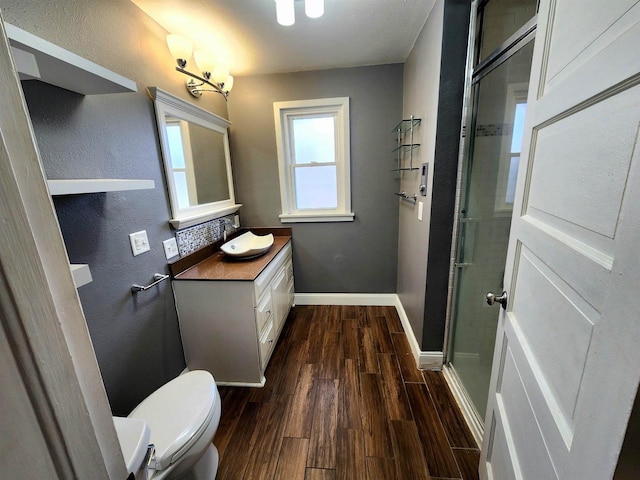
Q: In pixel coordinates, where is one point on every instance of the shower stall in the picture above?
(500, 63)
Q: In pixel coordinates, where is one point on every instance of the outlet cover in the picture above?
(139, 242)
(420, 205)
(170, 248)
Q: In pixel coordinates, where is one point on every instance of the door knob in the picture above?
(502, 299)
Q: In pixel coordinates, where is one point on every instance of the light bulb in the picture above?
(285, 12)
(180, 48)
(205, 61)
(314, 8)
(228, 84)
(220, 73)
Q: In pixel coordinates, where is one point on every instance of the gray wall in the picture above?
(450, 98)
(115, 34)
(136, 340)
(352, 257)
(209, 164)
(421, 84)
(434, 81)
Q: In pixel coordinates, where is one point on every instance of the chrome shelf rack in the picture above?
(404, 150)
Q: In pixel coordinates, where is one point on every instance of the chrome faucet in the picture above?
(225, 222)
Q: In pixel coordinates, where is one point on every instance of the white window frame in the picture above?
(284, 114)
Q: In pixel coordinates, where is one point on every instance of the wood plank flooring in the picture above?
(344, 401)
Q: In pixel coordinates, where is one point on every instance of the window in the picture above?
(511, 145)
(313, 160)
(516, 147)
(177, 137)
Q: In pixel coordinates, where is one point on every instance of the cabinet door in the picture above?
(263, 312)
(266, 344)
(280, 298)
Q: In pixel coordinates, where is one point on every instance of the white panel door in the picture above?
(567, 359)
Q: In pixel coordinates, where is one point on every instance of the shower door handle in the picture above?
(501, 299)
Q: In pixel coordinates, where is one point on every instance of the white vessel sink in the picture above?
(248, 245)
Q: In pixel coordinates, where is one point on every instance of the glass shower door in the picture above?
(500, 102)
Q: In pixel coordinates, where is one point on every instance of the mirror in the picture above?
(195, 150)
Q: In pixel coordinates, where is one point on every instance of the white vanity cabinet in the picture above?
(230, 327)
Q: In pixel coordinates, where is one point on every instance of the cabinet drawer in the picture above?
(266, 343)
(263, 312)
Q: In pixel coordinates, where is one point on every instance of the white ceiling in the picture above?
(351, 32)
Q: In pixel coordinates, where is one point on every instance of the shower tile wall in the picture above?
(502, 19)
(199, 236)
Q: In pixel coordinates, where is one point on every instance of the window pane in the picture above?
(175, 146)
(316, 187)
(180, 180)
(518, 127)
(314, 140)
(512, 179)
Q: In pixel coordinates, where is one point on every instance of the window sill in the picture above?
(317, 217)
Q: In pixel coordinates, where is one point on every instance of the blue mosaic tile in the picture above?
(199, 236)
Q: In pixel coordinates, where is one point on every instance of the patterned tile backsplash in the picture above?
(194, 238)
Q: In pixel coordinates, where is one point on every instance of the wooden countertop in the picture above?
(218, 266)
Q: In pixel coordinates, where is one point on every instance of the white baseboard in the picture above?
(430, 360)
(243, 384)
(379, 299)
(424, 360)
(476, 425)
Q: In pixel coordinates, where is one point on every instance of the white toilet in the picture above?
(182, 417)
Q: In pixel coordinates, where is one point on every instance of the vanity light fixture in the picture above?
(285, 12)
(214, 74)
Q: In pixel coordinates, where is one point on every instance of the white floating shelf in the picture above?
(97, 185)
(81, 274)
(39, 59)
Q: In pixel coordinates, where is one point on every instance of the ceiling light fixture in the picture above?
(285, 11)
(314, 8)
(215, 74)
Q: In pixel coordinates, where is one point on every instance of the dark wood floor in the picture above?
(344, 401)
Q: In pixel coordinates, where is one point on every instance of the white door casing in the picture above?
(56, 422)
(567, 359)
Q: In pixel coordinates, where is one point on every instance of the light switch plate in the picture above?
(139, 242)
(170, 248)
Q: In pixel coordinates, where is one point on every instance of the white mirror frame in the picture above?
(167, 104)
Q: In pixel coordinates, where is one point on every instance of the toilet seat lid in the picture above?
(177, 413)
